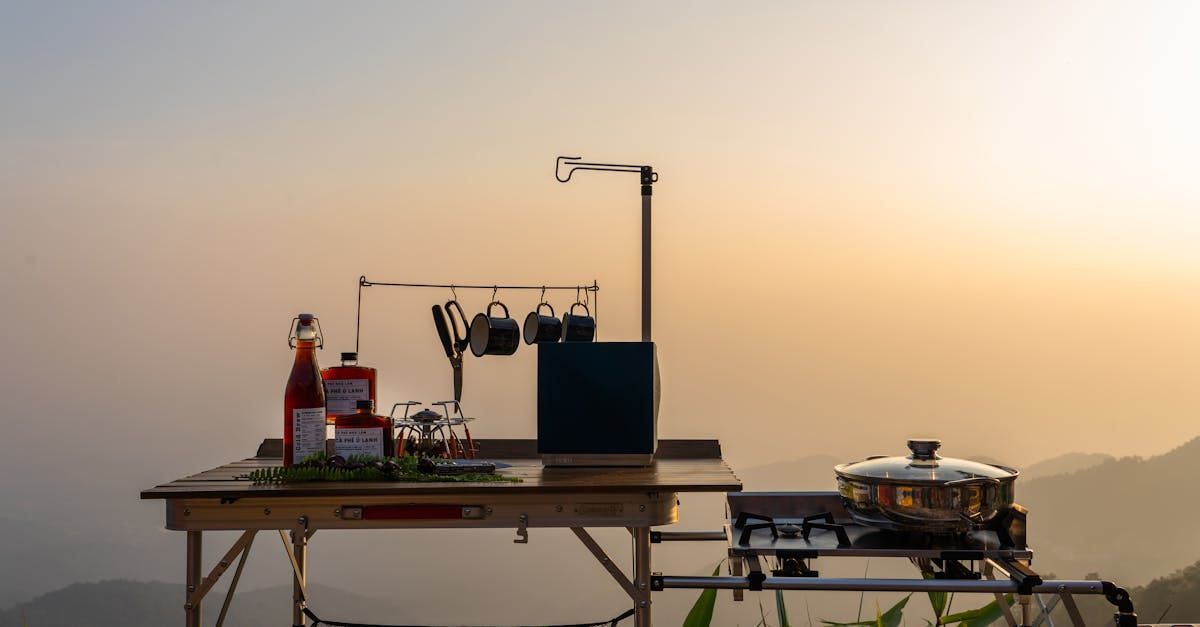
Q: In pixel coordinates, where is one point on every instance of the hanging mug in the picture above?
(492, 335)
(576, 328)
(539, 328)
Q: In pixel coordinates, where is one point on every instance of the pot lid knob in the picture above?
(924, 448)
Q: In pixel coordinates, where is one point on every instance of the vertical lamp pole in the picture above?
(648, 177)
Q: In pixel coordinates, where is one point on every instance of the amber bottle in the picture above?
(363, 433)
(304, 395)
(345, 385)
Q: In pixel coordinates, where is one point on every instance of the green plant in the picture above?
(702, 611)
(890, 618)
(781, 609)
(319, 467)
(981, 617)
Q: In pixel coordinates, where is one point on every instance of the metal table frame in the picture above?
(635, 512)
(296, 519)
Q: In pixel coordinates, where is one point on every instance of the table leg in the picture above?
(300, 549)
(641, 575)
(194, 577)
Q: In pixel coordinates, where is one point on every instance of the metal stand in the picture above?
(295, 546)
(1064, 589)
(648, 178)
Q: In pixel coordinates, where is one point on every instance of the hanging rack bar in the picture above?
(363, 281)
(590, 288)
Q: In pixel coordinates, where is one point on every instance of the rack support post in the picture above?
(647, 175)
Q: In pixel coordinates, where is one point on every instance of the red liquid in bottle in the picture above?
(304, 396)
(364, 433)
(345, 385)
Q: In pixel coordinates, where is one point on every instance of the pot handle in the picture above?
(961, 482)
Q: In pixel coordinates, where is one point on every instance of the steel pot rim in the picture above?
(842, 473)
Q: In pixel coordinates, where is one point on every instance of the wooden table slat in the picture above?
(680, 466)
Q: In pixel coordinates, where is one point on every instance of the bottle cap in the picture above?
(306, 317)
(349, 356)
(366, 404)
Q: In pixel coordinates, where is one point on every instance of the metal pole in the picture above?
(194, 562)
(983, 586)
(691, 536)
(299, 547)
(641, 575)
(647, 190)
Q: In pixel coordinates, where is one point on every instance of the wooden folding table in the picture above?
(576, 498)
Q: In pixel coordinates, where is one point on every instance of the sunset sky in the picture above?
(970, 220)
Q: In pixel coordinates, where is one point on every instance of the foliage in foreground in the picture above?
(319, 467)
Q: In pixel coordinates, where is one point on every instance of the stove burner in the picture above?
(823, 521)
(429, 433)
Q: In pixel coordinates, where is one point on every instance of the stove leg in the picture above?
(194, 577)
(641, 575)
(1026, 602)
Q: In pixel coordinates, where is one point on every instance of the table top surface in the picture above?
(679, 466)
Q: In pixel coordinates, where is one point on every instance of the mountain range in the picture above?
(120, 603)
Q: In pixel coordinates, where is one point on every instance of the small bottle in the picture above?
(304, 395)
(363, 433)
(345, 385)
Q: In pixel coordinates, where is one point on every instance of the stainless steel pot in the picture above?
(923, 491)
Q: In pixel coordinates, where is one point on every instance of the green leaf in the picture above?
(980, 617)
(702, 612)
(781, 609)
(890, 618)
(894, 616)
(936, 599)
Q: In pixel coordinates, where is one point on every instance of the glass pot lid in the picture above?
(923, 465)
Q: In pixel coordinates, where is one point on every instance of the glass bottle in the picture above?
(304, 395)
(363, 433)
(345, 385)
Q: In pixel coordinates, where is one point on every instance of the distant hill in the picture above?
(814, 472)
(48, 557)
(1174, 599)
(120, 603)
(1129, 519)
(1064, 464)
(1177, 594)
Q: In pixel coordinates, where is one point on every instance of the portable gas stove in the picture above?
(774, 539)
(429, 433)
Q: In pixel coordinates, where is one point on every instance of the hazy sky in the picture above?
(875, 220)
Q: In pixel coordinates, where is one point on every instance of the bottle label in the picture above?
(308, 432)
(358, 441)
(342, 395)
